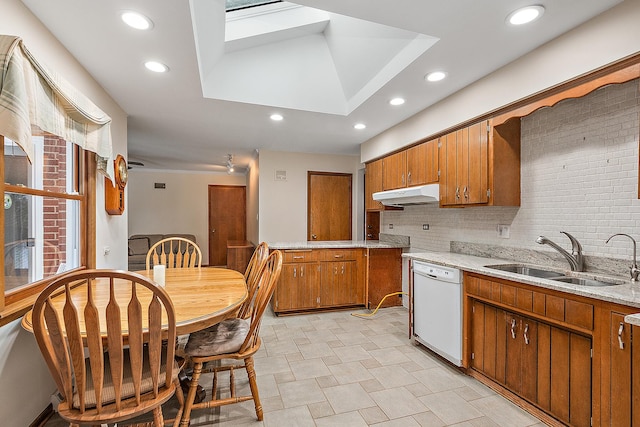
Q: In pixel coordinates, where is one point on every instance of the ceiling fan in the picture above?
(132, 163)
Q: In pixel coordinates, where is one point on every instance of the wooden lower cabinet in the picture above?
(523, 341)
(548, 366)
(320, 279)
(298, 287)
(621, 376)
(384, 277)
(339, 286)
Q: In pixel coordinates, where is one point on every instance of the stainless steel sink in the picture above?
(583, 282)
(526, 270)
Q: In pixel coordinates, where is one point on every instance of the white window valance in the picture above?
(33, 99)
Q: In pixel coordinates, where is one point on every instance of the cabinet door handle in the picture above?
(526, 333)
(513, 328)
(402, 179)
(343, 269)
(338, 256)
(298, 257)
(302, 271)
(457, 193)
(409, 177)
(295, 272)
(620, 330)
(465, 191)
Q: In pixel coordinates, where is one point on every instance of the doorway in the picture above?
(329, 206)
(227, 220)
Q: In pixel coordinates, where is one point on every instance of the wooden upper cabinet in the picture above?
(373, 184)
(465, 166)
(394, 171)
(422, 163)
(480, 165)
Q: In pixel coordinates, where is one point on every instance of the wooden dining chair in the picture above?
(237, 339)
(251, 276)
(120, 369)
(174, 252)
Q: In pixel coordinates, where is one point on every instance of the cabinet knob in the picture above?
(314, 236)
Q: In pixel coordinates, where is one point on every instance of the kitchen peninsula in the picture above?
(562, 351)
(329, 275)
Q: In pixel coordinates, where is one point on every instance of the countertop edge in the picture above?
(627, 294)
(337, 244)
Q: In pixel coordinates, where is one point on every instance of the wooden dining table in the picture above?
(201, 297)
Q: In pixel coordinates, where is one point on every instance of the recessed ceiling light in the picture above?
(436, 76)
(156, 67)
(276, 117)
(136, 20)
(359, 126)
(525, 15)
(397, 101)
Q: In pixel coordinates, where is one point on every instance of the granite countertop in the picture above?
(337, 244)
(626, 293)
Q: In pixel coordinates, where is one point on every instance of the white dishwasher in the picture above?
(437, 309)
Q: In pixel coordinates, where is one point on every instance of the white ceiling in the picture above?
(340, 67)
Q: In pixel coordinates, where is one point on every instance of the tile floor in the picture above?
(335, 369)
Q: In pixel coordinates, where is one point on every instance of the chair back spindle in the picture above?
(106, 379)
(174, 252)
(251, 276)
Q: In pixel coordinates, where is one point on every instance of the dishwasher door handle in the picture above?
(420, 273)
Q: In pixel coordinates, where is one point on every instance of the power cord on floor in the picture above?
(365, 315)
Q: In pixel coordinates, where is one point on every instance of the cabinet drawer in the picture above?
(300, 256)
(338, 254)
(579, 314)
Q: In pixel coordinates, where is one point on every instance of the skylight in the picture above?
(243, 4)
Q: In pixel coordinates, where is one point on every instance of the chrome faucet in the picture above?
(633, 270)
(576, 261)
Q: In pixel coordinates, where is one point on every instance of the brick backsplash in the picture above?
(579, 175)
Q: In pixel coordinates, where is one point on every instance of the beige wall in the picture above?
(283, 204)
(25, 382)
(253, 194)
(613, 35)
(182, 207)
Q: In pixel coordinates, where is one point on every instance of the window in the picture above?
(44, 216)
(244, 4)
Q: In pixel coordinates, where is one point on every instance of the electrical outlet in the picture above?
(504, 231)
(106, 250)
(425, 226)
(390, 226)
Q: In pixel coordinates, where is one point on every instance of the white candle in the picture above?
(158, 274)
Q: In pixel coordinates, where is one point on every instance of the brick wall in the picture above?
(55, 210)
(579, 175)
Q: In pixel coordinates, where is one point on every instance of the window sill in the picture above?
(16, 310)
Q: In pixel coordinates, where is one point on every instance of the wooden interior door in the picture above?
(329, 206)
(227, 220)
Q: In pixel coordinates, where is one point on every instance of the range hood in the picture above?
(409, 196)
